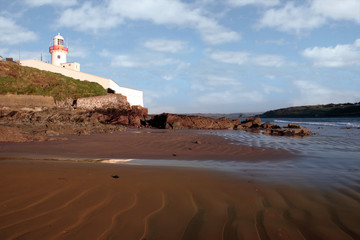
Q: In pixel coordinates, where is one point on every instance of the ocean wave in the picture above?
(332, 124)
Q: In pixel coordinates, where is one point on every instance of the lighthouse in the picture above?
(60, 65)
(58, 54)
(58, 51)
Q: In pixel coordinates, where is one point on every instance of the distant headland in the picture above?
(318, 111)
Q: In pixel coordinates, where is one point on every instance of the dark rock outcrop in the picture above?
(40, 123)
(268, 125)
(60, 121)
(174, 121)
(290, 130)
(251, 123)
(134, 116)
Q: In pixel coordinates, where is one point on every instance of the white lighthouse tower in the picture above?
(58, 51)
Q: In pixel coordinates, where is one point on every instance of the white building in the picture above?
(58, 51)
(60, 65)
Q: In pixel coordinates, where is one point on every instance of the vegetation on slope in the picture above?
(329, 110)
(18, 79)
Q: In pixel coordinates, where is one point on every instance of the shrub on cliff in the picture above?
(18, 79)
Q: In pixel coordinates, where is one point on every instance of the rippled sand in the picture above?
(67, 200)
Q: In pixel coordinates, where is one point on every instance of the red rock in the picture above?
(174, 121)
(251, 123)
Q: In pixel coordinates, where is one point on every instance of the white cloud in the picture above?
(133, 62)
(78, 52)
(161, 12)
(313, 93)
(266, 60)
(152, 99)
(310, 15)
(213, 33)
(338, 56)
(291, 18)
(268, 89)
(338, 10)
(269, 60)
(230, 97)
(126, 61)
(230, 57)
(252, 96)
(265, 3)
(216, 81)
(279, 42)
(89, 18)
(64, 3)
(163, 45)
(217, 98)
(174, 12)
(211, 82)
(12, 34)
(77, 48)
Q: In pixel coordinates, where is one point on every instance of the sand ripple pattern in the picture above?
(84, 201)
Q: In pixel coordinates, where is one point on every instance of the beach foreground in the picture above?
(64, 189)
(84, 200)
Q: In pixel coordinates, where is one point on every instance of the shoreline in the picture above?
(143, 144)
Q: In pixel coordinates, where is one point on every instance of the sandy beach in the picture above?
(52, 199)
(141, 144)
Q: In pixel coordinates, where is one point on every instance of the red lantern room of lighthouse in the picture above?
(58, 51)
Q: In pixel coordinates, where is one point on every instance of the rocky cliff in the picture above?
(39, 124)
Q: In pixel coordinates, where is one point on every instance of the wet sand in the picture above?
(48, 199)
(82, 200)
(142, 144)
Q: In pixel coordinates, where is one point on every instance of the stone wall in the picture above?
(11, 100)
(108, 101)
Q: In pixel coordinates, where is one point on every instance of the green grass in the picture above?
(16, 79)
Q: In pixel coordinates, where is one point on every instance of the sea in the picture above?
(329, 158)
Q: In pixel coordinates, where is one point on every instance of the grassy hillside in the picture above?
(17, 79)
(329, 110)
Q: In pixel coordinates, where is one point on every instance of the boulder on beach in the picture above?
(174, 121)
(251, 123)
(292, 132)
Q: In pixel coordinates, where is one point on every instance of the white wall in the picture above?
(73, 66)
(134, 97)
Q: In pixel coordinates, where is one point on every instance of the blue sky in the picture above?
(195, 56)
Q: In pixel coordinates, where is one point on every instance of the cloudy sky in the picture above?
(192, 56)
